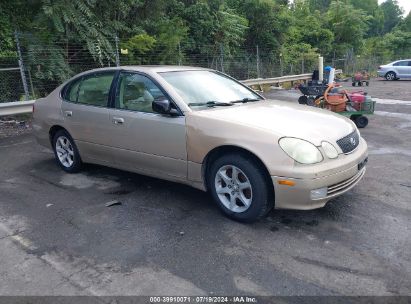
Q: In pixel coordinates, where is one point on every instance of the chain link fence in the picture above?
(11, 86)
(37, 68)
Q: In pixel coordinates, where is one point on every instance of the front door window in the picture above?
(136, 92)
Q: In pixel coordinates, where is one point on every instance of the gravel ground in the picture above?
(381, 88)
(15, 125)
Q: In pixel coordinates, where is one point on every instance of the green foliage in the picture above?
(392, 14)
(368, 6)
(320, 5)
(139, 44)
(230, 28)
(268, 22)
(310, 28)
(349, 26)
(406, 24)
(58, 35)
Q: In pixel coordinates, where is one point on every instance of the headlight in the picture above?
(300, 150)
(329, 150)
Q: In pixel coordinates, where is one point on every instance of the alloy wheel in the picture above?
(64, 151)
(390, 76)
(233, 188)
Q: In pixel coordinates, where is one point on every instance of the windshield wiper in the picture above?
(245, 100)
(210, 104)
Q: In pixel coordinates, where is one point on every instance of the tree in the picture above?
(392, 14)
(320, 5)
(268, 23)
(137, 46)
(309, 28)
(368, 6)
(230, 30)
(406, 24)
(348, 25)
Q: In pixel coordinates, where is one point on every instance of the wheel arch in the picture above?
(53, 130)
(232, 149)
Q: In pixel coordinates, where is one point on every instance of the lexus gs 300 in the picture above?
(205, 129)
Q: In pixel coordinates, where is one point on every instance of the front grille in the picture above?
(349, 142)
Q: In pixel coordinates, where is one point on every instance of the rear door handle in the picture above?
(118, 120)
(68, 113)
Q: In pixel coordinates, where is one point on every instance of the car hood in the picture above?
(284, 119)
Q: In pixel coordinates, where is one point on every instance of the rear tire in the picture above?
(240, 188)
(390, 76)
(66, 152)
(361, 121)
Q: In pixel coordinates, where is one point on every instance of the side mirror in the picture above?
(164, 106)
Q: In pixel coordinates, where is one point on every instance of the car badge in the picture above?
(353, 141)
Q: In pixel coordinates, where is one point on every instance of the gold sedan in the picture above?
(205, 129)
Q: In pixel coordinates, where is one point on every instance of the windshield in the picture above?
(208, 88)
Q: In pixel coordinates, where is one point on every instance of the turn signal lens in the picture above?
(286, 182)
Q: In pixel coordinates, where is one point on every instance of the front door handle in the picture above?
(118, 120)
(68, 113)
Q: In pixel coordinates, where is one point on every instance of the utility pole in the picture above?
(281, 64)
(258, 62)
(302, 65)
(179, 54)
(222, 57)
(21, 66)
(117, 55)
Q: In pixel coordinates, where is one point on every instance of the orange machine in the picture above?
(334, 100)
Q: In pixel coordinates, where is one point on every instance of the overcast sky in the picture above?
(406, 5)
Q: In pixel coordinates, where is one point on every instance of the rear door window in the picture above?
(95, 89)
(71, 92)
(402, 63)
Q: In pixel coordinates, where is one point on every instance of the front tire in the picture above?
(311, 101)
(66, 152)
(302, 100)
(390, 76)
(239, 187)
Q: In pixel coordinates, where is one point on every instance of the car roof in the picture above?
(150, 68)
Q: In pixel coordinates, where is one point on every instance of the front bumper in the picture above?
(381, 73)
(299, 196)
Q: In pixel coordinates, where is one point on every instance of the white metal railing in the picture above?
(282, 79)
(17, 107)
(21, 107)
(276, 80)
